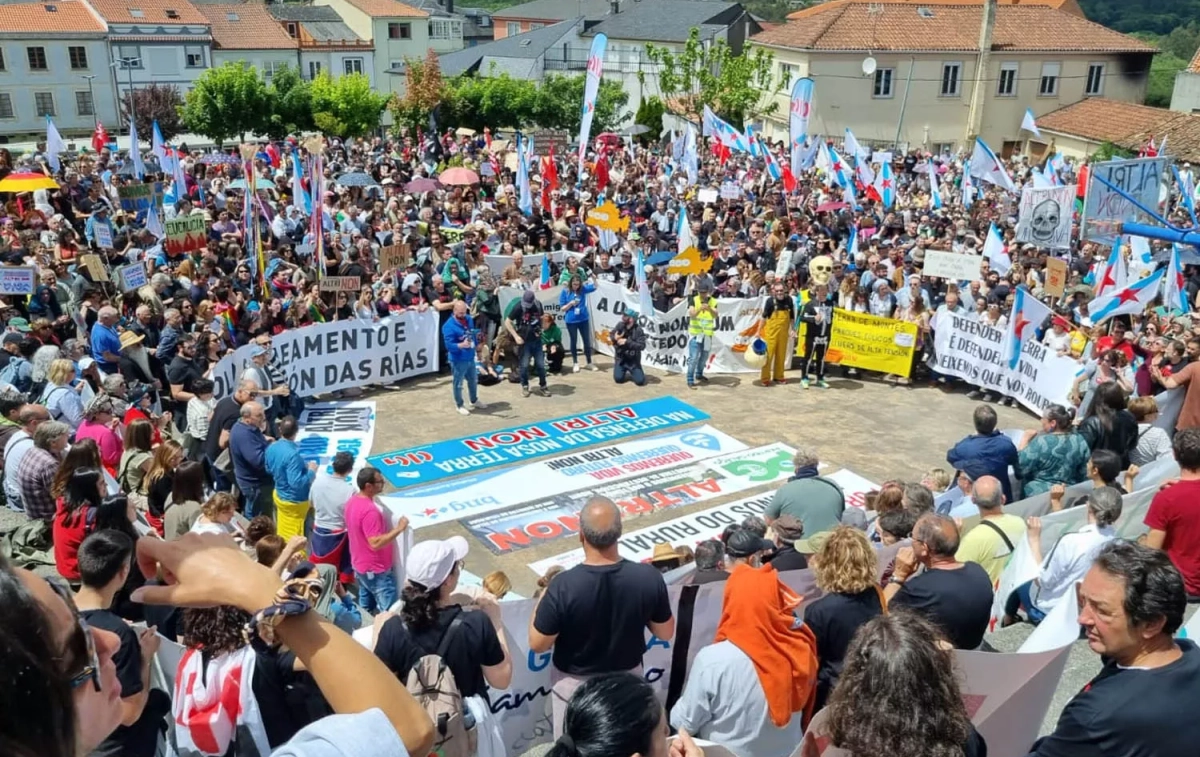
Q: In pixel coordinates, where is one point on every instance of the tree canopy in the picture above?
(289, 100)
(155, 102)
(227, 102)
(346, 106)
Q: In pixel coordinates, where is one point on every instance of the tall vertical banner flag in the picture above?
(591, 88)
(801, 111)
(1174, 294)
(1028, 315)
(54, 145)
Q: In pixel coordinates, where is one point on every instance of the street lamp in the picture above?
(128, 64)
(92, 98)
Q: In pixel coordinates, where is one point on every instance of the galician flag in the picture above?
(935, 194)
(544, 282)
(1028, 314)
(1127, 300)
(1174, 294)
(1028, 123)
(885, 185)
(158, 145)
(986, 166)
(968, 190)
(1115, 273)
(135, 152)
(852, 247)
(993, 250)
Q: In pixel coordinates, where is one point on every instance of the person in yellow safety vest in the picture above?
(778, 313)
(702, 324)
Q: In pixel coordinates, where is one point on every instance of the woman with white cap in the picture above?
(471, 642)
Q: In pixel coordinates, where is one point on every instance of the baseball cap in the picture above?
(744, 543)
(20, 324)
(257, 350)
(431, 562)
(788, 528)
(13, 338)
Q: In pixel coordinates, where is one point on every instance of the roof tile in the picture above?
(1127, 125)
(1067, 5)
(68, 17)
(387, 8)
(245, 26)
(153, 11)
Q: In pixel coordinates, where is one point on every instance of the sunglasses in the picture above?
(91, 671)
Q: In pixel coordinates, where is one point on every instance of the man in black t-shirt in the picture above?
(105, 559)
(225, 414)
(595, 615)
(953, 595)
(1145, 699)
(182, 372)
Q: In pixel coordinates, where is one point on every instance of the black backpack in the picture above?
(529, 322)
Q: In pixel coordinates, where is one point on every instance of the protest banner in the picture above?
(553, 517)
(707, 195)
(185, 234)
(696, 527)
(103, 236)
(531, 265)
(730, 191)
(393, 256)
(135, 198)
(1105, 208)
(340, 284)
(328, 357)
(667, 333)
(548, 298)
(18, 279)
(544, 139)
(869, 342)
(973, 351)
(1056, 277)
(429, 463)
(952, 265)
(95, 266)
(327, 428)
(494, 490)
(1045, 216)
(132, 276)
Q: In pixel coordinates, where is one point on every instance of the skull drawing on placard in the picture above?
(820, 269)
(1044, 222)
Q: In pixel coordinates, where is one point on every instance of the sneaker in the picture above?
(781, 381)
(987, 397)
(692, 386)
(463, 411)
(575, 368)
(543, 391)
(803, 383)
(974, 394)
(823, 384)
(593, 367)
(703, 379)
(478, 406)
(524, 391)
(902, 381)
(891, 378)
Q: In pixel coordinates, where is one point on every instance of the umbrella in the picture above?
(635, 129)
(218, 158)
(356, 179)
(827, 207)
(421, 184)
(27, 182)
(258, 184)
(458, 176)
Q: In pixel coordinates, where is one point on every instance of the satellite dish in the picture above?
(869, 65)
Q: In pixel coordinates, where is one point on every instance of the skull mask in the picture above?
(1044, 222)
(820, 269)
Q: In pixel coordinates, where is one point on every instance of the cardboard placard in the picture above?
(103, 234)
(138, 197)
(95, 266)
(1056, 277)
(185, 234)
(392, 257)
(952, 265)
(707, 195)
(18, 279)
(132, 276)
(340, 284)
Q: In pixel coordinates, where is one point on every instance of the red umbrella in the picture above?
(421, 184)
(458, 176)
(609, 139)
(827, 207)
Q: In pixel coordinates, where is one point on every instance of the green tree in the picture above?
(1109, 151)
(1162, 79)
(227, 102)
(737, 87)
(496, 101)
(346, 107)
(424, 90)
(650, 114)
(559, 104)
(289, 104)
(155, 102)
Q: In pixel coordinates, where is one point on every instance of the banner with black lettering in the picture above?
(327, 357)
(973, 351)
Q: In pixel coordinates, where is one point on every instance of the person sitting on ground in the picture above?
(753, 688)
(1172, 518)
(187, 492)
(816, 501)
(1153, 443)
(1144, 700)
(75, 518)
(993, 540)
(847, 570)
(1104, 469)
(1055, 454)
(710, 562)
(35, 476)
(895, 526)
(552, 344)
(955, 596)
(629, 340)
(218, 516)
(1068, 560)
(992, 451)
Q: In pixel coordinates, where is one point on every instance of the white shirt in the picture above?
(329, 494)
(1067, 563)
(14, 452)
(723, 701)
(1057, 342)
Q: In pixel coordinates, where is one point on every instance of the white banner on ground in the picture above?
(327, 357)
(327, 428)
(548, 298)
(952, 265)
(700, 526)
(974, 351)
(495, 490)
(738, 322)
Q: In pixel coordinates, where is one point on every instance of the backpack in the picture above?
(530, 322)
(433, 686)
(55, 413)
(12, 374)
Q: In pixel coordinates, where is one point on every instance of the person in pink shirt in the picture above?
(100, 425)
(371, 553)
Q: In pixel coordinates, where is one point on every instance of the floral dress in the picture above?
(1051, 459)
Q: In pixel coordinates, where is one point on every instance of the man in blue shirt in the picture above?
(293, 479)
(248, 450)
(106, 342)
(459, 335)
(988, 452)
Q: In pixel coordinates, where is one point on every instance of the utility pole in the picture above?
(92, 98)
(987, 25)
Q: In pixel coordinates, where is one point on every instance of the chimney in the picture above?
(614, 7)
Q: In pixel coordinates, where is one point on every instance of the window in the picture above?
(1006, 86)
(951, 79)
(512, 28)
(6, 108)
(232, 17)
(172, 13)
(130, 56)
(78, 57)
(536, 25)
(292, 30)
(37, 58)
(2, 67)
(399, 31)
(194, 55)
(352, 65)
(271, 67)
(943, 148)
(136, 13)
(84, 105)
(314, 69)
(883, 81)
(43, 103)
(444, 30)
(1095, 79)
(787, 73)
(395, 64)
(1049, 83)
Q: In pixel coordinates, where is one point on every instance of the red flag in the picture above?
(873, 194)
(99, 137)
(602, 170)
(1150, 150)
(549, 178)
(789, 181)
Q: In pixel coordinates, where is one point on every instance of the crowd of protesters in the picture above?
(158, 503)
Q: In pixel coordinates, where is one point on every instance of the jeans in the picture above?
(580, 330)
(1020, 598)
(533, 349)
(376, 591)
(221, 481)
(465, 370)
(259, 500)
(621, 374)
(697, 357)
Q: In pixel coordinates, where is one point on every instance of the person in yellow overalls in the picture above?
(779, 312)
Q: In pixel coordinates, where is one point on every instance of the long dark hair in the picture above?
(113, 513)
(83, 454)
(37, 709)
(188, 485)
(898, 693)
(82, 490)
(1107, 402)
(611, 715)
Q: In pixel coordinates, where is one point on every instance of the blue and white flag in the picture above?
(1028, 314)
(935, 193)
(1029, 123)
(525, 198)
(135, 152)
(691, 159)
(300, 197)
(986, 166)
(158, 145)
(1128, 300)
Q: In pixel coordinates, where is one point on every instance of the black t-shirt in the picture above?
(834, 618)
(225, 414)
(709, 576)
(1130, 712)
(599, 614)
(141, 738)
(474, 646)
(183, 371)
(959, 600)
(787, 558)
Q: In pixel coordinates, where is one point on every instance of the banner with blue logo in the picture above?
(479, 452)
(327, 428)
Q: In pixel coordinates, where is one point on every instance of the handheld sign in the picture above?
(393, 256)
(608, 218)
(689, 262)
(340, 284)
(133, 276)
(18, 280)
(104, 238)
(94, 266)
(1056, 277)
